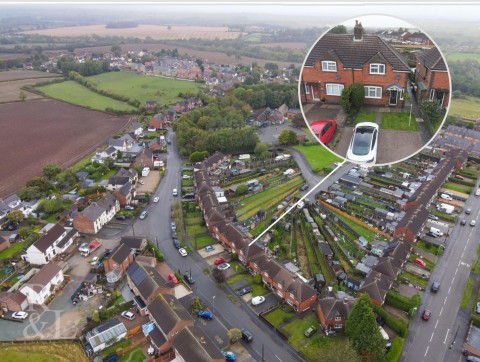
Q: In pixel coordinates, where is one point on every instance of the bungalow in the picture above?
(13, 301)
(432, 80)
(106, 334)
(340, 60)
(43, 284)
(92, 219)
(54, 240)
(120, 259)
(333, 312)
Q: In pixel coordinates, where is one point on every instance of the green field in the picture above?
(399, 121)
(42, 352)
(74, 93)
(318, 157)
(164, 90)
(455, 57)
(468, 108)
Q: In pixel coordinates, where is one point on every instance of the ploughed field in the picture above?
(37, 132)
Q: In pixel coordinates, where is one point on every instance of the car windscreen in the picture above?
(362, 140)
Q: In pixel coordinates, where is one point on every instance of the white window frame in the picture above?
(327, 66)
(337, 326)
(338, 319)
(375, 68)
(432, 94)
(329, 87)
(307, 88)
(375, 89)
(401, 94)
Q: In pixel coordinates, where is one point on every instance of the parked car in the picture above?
(174, 234)
(244, 291)
(176, 243)
(156, 198)
(173, 226)
(143, 214)
(121, 217)
(128, 315)
(460, 177)
(363, 145)
(435, 287)
(229, 356)
(173, 278)
(304, 187)
(247, 335)
(477, 308)
(420, 262)
(205, 314)
(219, 261)
(473, 359)
(324, 129)
(107, 253)
(426, 314)
(189, 278)
(94, 260)
(468, 211)
(175, 192)
(310, 331)
(432, 217)
(258, 300)
(209, 248)
(223, 266)
(128, 207)
(472, 223)
(463, 222)
(20, 315)
(182, 252)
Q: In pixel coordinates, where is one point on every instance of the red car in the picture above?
(173, 278)
(420, 262)
(219, 261)
(426, 314)
(324, 129)
(460, 177)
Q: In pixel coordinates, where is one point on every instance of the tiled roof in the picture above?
(43, 276)
(355, 54)
(93, 212)
(332, 307)
(120, 253)
(193, 345)
(49, 237)
(376, 285)
(167, 311)
(432, 59)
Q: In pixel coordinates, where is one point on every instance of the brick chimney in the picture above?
(358, 31)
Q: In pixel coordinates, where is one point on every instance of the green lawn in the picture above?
(297, 328)
(239, 277)
(73, 92)
(14, 249)
(165, 91)
(332, 346)
(318, 157)
(467, 293)
(399, 121)
(458, 187)
(114, 347)
(428, 247)
(202, 241)
(414, 279)
(278, 316)
(134, 355)
(366, 117)
(193, 220)
(468, 108)
(195, 229)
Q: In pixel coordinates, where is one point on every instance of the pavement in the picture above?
(442, 337)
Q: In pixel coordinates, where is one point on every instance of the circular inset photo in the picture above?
(374, 90)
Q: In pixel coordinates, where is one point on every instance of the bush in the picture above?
(398, 301)
(396, 324)
(158, 255)
(234, 257)
(395, 350)
(475, 320)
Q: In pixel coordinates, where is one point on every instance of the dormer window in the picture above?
(329, 66)
(377, 68)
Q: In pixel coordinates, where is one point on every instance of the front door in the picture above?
(316, 91)
(393, 97)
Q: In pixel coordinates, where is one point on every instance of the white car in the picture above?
(129, 315)
(175, 192)
(182, 252)
(94, 260)
(223, 266)
(155, 199)
(20, 315)
(258, 300)
(363, 146)
(472, 223)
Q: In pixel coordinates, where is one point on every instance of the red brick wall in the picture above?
(432, 80)
(109, 264)
(83, 225)
(307, 304)
(348, 77)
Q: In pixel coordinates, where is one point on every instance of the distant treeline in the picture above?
(90, 67)
(466, 76)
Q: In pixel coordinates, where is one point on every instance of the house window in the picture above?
(337, 326)
(329, 66)
(373, 92)
(432, 94)
(292, 296)
(334, 89)
(307, 88)
(376, 68)
(338, 319)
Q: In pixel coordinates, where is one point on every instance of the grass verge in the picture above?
(467, 293)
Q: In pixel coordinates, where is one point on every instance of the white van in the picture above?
(436, 231)
(385, 336)
(446, 197)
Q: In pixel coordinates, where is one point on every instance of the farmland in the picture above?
(455, 57)
(11, 84)
(42, 352)
(63, 134)
(143, 31)
(467, 107)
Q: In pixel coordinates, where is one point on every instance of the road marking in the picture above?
(425, 355)
(446, 335)
(437, 320)
(452, 280)
(456, 270)
(278, 358)
(445, 301)
(440, 313)
(431, 337)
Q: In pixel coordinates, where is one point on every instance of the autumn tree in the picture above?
(15, 216)
(51, 171)
(287, 137)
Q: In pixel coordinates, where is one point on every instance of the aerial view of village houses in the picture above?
(239, 183)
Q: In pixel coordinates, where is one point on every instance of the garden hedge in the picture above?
(395, 350)
(396, 324)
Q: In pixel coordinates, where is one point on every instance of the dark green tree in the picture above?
(431, 111)
(116, 49)
(362, 330)
(352, 98)
(287, 137)
(51, 171)
(261, 149)
(339, 29)
(198, 156)
(15, 216)
(241, 190)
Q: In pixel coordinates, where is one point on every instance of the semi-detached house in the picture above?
(43, 284)
(340, 60)
(92, 219)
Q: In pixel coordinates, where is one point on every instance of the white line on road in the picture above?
(426, 351)
(278, 358)
(445, 301)
(431, 337)
(437, 322)
(456, 270)
(446, 335)
(448, 291)
(452, 280)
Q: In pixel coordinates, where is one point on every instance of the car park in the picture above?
(363, 145)
(426, 314)
(472, 223)
(246, 335)
(209, 248)
(188, 277)
(435, 287)
(258, 300)
(324, 129)
(219, 261)
(128, 315)
(223, 266)
(173, 278)
(244, 291)
(310, 331)
(205, 314)
(19, 315)
(143, 214)
(182, 252)
(156, 198)
(175, 192)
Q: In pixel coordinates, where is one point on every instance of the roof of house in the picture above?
(300, 290)
(388, 266)
(193, 345)
(157, 337)
(134, 242)
(167, 311)
(118, 180)
(213, 159)
(93, 212)
(355, 54)
(325, 248)
(15, 296)
(43, 276)
(120, 253)
(432, 59)
(333, 307)
(107, 201)
(376, 285)
(125, 189)
(49, 237)
(146, 278)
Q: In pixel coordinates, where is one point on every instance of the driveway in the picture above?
(322, 111)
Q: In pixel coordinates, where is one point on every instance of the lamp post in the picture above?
(213, 307)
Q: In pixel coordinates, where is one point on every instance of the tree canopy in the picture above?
(287, 137)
